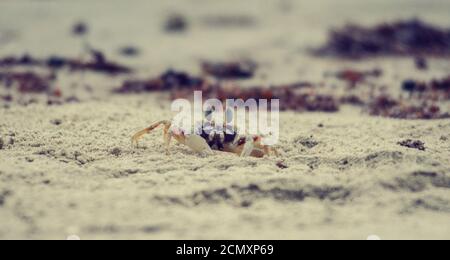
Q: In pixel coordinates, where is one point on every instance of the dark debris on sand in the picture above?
(6, 98)
(295, 97)
(421, 63)
(169, 80)
(282, 165)
(355, 77)
(80, 29)
(305, 96)
(230, 70)
(353, 100)
(292, 97)
(129, 51)
(387, 106)
(27, 82)
(182, 85)
(176, 23)
(437, 89)
(411, 38)
(30, 82)
(415, 144)
(98, 63)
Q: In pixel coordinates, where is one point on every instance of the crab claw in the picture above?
(248, 147)
(198, 144)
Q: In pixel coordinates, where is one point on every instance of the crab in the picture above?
(205, 142)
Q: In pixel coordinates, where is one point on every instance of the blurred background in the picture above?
(270, 31)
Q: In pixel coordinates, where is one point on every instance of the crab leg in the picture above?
(270, 150)
(138, 135)
(167, 138)
(253, 147)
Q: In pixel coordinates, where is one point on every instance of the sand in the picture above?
(71, 170)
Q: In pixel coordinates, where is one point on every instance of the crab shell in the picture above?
(221, 141)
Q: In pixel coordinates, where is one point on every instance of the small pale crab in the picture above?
(205, 142)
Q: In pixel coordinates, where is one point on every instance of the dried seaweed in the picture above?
(355, 77)
(27, 82)
(411, 38)
(389, 107)
(169, 80)
(98, 63)
(302, 96)
(182, 85)
(437, 89)
(230, 70)
(291, 97)
(354, 100)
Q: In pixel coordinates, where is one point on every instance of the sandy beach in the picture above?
(70, 169)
